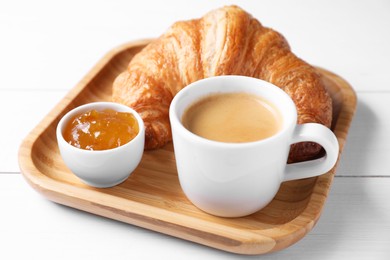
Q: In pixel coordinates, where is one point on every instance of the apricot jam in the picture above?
(101, 130)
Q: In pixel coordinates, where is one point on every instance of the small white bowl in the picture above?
(102, 168)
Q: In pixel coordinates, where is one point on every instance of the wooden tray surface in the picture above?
(152, 197)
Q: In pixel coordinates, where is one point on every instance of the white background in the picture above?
(46, 47)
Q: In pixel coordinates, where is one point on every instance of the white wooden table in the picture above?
(46, 47)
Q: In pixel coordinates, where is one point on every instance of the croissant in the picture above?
(225, 41)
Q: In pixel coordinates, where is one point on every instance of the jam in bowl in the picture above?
(101, 143)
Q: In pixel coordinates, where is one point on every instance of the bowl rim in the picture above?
(99, 106)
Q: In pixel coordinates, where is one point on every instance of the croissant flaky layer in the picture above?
(226, 41)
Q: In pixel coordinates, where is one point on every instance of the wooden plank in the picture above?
(355, 224)
(21, 112)
(367, 151)
(66, 48)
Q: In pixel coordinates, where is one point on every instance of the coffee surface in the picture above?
(233, 118)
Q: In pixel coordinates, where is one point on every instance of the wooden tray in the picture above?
(152, 197)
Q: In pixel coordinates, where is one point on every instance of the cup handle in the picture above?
(313, 132)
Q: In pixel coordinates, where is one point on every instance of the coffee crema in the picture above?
(233, 118)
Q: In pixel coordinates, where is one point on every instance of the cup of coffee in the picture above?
(232, 136)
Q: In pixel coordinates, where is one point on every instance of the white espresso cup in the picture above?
(238, 179)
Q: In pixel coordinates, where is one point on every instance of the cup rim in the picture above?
(98, 105)
(175, 120)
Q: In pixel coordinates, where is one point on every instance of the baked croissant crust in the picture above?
(226, 41)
